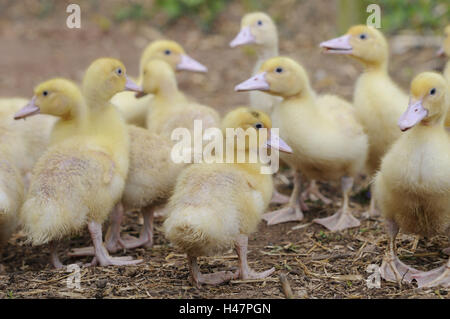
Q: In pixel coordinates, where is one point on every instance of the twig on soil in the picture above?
(286, 286)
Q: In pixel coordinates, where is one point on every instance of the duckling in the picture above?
(328, 142)
(169, 108)
(28, 140)
(413, 184)
(378, 101)
(134, 110)
(78, 181)
(217, 205)
(258, 29)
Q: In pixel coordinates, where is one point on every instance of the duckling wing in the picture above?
(70, 184)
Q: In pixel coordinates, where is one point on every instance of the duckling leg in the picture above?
(343, 218)
(373, 211)
(392, 268)
(101, 254)
(54, 258)
(197, 278)
(146, 236)
(314, 193)
(278, 198)
(293, 212)
(433, 278)
(245, 272)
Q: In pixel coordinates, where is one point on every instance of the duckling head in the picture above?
(106, 77)
(429, 101)
(245, 118)
(172, 53)
(364, 43)
(257, 28)
(157, 76)
(280, 76)
(445, 50)
(57, 97)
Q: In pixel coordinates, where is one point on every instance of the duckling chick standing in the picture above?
(78, 181)
(216, 206)
(327, 141)
(377, 99)
(133, 109)
(413, 184)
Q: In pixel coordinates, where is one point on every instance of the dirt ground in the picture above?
(319, 263)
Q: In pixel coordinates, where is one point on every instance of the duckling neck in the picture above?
(168, 91)
(376, 67)
(73, 123)
(264, 53)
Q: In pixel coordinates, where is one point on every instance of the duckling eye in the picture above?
(259, 125)
(119, 71)
(363, 36)
(433, 91)
(167, 52)
(45, 93)
(279, 70)
(260, 22)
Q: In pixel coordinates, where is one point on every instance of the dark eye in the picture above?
(45, 93)
(433, 91)
(363, 36)
(259, 125)
(167, 52)
(279, 70)
(260, 22)
(119, 71)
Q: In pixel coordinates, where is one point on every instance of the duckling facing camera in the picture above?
(413, 184)
(217, 206)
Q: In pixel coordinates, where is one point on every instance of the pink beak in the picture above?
(131, 86)
(244, 36)
(256, 82)
(413, 115)
(189, 64)
(339, 45)
(28, 110)
(275, 142)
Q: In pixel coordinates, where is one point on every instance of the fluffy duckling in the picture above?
(78, 181)
(378, 101)
(217, 205)
(328, 142)
(134, 110)
(259, 30)
(28, 140)
(413, 184)
(169, 108)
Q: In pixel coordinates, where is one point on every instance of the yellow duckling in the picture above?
(78, 181)
(217, 205)
(169, 108)
(413, 184)
(328, 142)
(259, 30)
(377, 99)
(134, 110)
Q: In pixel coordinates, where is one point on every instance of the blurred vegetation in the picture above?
(413, 14)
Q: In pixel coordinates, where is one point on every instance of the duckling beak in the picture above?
(28, 110)
(276, 142)
(256, 82)
(412, 116)
(189, 64)
(131, 86)
(440, 52)
(244, 36)
(339, 45)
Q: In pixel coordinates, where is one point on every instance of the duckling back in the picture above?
(212, 204)
(71, 183)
